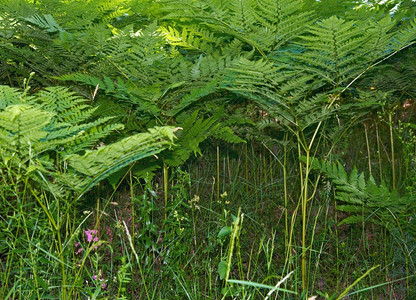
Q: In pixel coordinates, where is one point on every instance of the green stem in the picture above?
(393, 169)
(304, 214)
(165, 187)
(285, 191)
(218, 173)
(368, 148)
(379, 154)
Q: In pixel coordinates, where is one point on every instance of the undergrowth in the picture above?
(207, 149)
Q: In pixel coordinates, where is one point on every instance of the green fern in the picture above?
(45, 135)
(98, 164)
(363, 198)
(195, 131)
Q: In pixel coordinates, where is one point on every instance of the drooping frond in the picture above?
(98, 164)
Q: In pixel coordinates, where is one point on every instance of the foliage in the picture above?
(366, 200)
(194, 110)
(45, 136)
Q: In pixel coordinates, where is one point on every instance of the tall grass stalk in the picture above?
(165, 187)
(368, 148)
(393, 163)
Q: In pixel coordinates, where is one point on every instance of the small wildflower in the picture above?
(119, 225)
(91, 235)
(194, 202)
(78, 244)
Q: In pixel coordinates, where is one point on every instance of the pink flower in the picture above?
(91, 235)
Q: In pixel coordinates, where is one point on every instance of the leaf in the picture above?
(260, 285)
(351, 220)
(226, 230)
(222, 269)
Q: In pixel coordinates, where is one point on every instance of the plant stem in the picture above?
(392, 151)
(304, 213)
(218, 173)
(285, 192)
(379, 153)
(165, 187)
(368, 148)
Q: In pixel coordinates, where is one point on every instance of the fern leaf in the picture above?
(101, 163)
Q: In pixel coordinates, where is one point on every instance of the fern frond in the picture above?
(362, 196)
(47, 22)
(282, 20)
(99, 164)
(194, 132)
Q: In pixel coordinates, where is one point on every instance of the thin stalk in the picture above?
(368, 148)
(246, 166)
(165, 188)
(139, 263)
(337, 241)
(61, 255)
(393, 169)
(379, 153)
(285, 191)
(133, 220)
(304, 214)
(218, 173)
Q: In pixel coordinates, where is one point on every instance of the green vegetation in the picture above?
(205, 149)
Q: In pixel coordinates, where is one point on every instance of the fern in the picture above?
(196, 131)
(39, 132)
(363, 198)
(98, 164)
